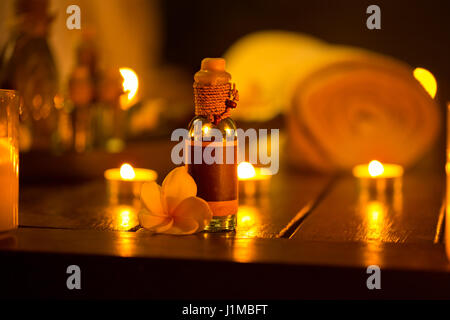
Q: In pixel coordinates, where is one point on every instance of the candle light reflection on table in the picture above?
(375, 214)
(249, 220)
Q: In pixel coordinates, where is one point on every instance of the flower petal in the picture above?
(183, 226)
(194, 208)
(151, 198)
(177, 186)
(154, 223)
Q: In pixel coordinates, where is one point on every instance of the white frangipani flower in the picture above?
(174, 207)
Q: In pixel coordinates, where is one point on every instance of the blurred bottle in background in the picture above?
(27, 65)
(110, 120)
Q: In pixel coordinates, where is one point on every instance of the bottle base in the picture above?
(222, 224)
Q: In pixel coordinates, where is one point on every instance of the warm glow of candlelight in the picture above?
(375, 168)
(127, 172)
(253, 181)
(125, 218)
(249, 219)
(246, 171)
(8, 178)
(130, 86)
(126, 181)
(375, 211)
(427, 80)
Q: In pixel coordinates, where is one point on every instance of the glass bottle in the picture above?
(27, 65)
(212, 149)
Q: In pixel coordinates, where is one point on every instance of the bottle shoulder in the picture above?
(227, 123)
(226, 126)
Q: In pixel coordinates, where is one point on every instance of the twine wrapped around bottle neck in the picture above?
(216, 101)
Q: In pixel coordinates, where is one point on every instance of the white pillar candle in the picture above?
(9, 185)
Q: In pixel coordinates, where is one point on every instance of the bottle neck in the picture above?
(214, 101)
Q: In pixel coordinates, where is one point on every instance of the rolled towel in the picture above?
(344, 106)
(263, 66)
(357, 108)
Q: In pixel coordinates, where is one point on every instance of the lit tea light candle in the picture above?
(378, 176)
(376, 170)
(127, 181)
(253, 181)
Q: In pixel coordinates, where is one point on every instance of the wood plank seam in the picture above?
(440, 227)
(295, 223)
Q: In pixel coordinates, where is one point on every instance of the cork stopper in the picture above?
(212, 73)
(213, 64)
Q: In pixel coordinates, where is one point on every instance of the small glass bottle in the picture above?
(28, 66)
(214, 134)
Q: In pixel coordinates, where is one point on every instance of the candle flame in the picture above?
(246, 170)
(127, 172)
(375, 168)
(130, 86)
(427, 80)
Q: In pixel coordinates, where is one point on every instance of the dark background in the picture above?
(416, 32)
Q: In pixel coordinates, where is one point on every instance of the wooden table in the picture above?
(311, 236)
